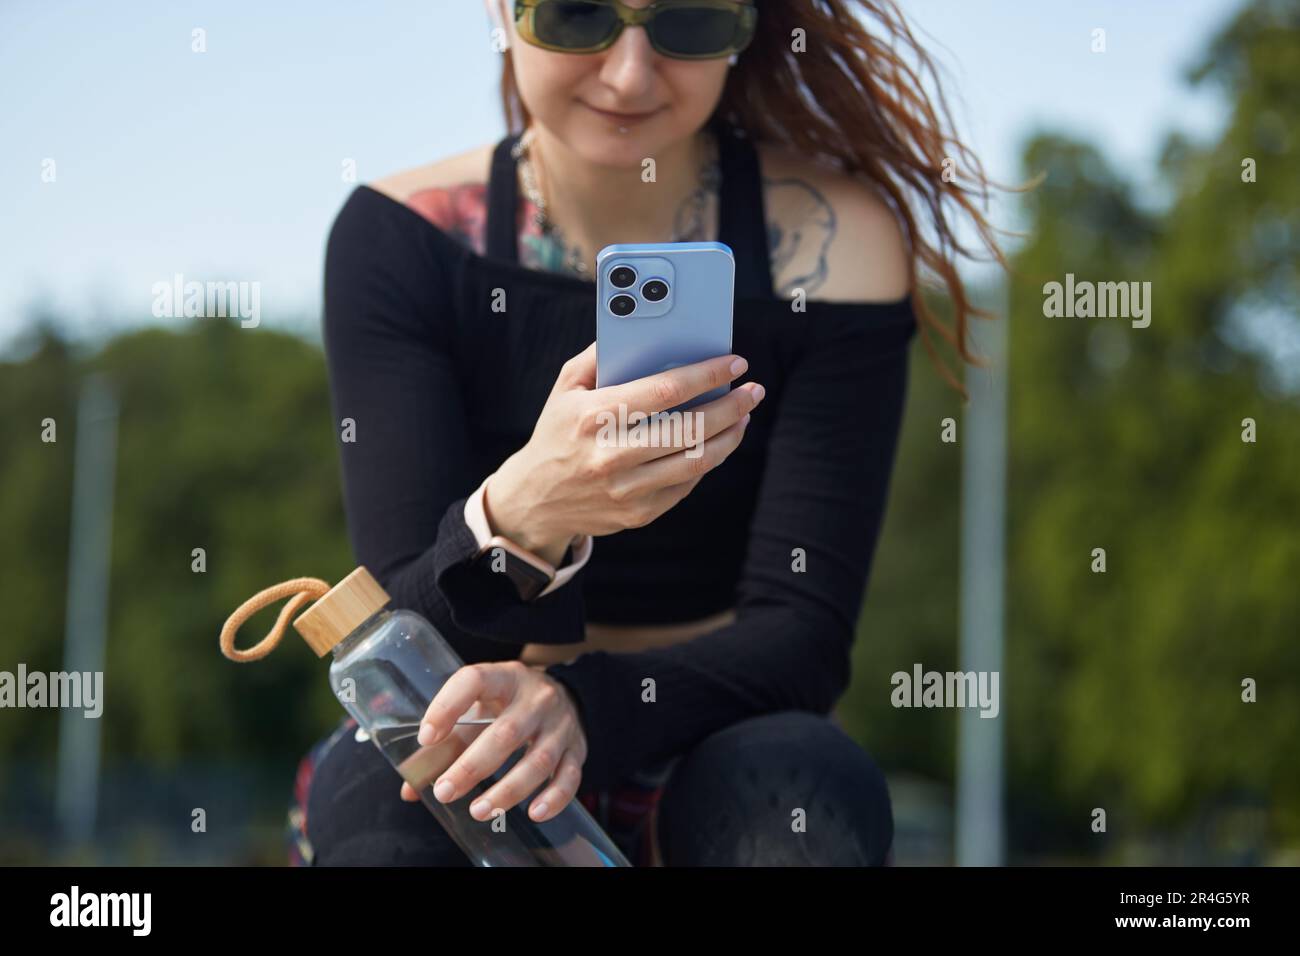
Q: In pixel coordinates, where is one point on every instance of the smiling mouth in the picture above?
(623, 118)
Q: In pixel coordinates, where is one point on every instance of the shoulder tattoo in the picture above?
(799, 240)
(460, 211)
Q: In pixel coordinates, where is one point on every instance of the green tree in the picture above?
(224, 443)
(1123, 689)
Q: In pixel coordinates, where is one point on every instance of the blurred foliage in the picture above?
(224, 444)
(1120, 690)
(1123, 690)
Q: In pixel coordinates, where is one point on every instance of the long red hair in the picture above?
(853, 98)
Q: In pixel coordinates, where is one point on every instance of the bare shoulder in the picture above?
(831, 235)
(451, 192)
(470, 166)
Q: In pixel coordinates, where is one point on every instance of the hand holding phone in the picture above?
(568, 480)
(663, 344)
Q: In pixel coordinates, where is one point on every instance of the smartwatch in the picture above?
(529, 574)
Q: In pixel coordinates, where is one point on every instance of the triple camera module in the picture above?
(625, 277)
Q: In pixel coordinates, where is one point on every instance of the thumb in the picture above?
(579, 371)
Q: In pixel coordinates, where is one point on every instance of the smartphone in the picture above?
(660, 306)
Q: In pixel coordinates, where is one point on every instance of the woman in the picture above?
(675, 675)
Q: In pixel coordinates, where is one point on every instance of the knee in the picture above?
(783, 789)
(356, 818)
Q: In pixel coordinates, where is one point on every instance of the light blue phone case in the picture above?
(690, 324)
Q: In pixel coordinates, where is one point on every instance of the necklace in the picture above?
(689, 223)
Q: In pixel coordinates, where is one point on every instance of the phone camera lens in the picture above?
(622, 304)
(656, 290)
(622, 277)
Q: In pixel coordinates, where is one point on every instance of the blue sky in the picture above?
(227, 164)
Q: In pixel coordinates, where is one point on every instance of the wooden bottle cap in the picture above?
(340, 611)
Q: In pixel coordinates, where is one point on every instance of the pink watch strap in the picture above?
(476, 519)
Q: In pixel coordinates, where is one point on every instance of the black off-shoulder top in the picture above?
(441, 388)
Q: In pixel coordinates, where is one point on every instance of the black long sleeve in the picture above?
(441, 387)
(398, 405)
(823, 491)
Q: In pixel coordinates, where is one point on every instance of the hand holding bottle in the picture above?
(532, 709)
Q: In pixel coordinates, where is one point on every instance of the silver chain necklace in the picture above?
(691, 216)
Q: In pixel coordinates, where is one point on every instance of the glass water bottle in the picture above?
(388, 665)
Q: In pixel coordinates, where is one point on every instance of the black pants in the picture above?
(732, 800)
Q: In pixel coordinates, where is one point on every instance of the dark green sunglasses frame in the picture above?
(746, 18)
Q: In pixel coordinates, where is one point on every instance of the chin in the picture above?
(610, 147)
(599, 141)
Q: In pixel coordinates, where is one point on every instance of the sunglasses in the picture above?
(681, 29)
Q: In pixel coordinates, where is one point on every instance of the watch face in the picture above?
(529, 577)
(529, 581)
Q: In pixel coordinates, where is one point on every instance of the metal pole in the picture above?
(979, 824)
(94, 463)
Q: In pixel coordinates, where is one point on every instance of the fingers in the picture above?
(563, 788)
(547, 758)
(671, 434)
(663, 479)
(665, 390)
(468, 686)
(492, 748)
(565, 781)
(427, 764)
(722, 413)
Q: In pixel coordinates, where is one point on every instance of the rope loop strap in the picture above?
(302, 591)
